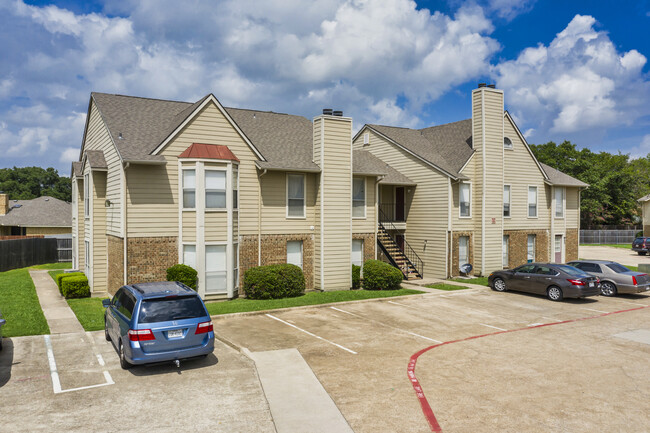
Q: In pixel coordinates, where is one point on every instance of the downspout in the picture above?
(124, 214)
(379, 179)
(259, 220)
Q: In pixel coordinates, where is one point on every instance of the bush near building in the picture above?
(274, 282)
(183, 274)
(378, 275)
(75, 287)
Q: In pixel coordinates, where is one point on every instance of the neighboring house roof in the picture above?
(364, 162)
(644, 198)
(556, 177)
(209, 151)
(96, 160)
(39, 212)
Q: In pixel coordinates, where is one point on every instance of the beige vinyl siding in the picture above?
(317, 206)
(572, 209)
(465, 224)
(152, 200)
(99, 253)
(98, 138)
(216, 227)
(367, 224)
(189, 226)
(274, 205)
(428, 211)
(81, 226)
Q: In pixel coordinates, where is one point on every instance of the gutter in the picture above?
(259, 219)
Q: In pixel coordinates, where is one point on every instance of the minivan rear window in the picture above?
(166, 309)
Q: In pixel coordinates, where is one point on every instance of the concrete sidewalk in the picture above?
(426, 281)
(58, 314)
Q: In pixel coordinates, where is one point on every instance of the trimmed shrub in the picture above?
(356, 277)
(378, 275)
(75, 287)
(59, 277)
(183, 274)
(274, 282)
(639, 234)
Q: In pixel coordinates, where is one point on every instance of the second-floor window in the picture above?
(506, 201)
(296, 195)
(189, 189)
(358, 197)
(559, 202)
(235, 188)
(215, 189)
(532, 202)
(465, 199)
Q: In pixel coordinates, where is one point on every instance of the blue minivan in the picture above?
(157, 322)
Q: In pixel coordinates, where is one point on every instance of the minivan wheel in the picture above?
(607, 289)
(641, 253)
(123, 362)
(499, 285)
(106, 336)
(554, 293)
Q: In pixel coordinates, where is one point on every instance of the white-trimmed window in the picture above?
(215, 189)
(559, 202)
(295, 196)
(216, 280)
(465, 195)
(86, 196)
(189, 255)
(366, 138)
(463, 250)
(357, 252)
(531, 248)
(189, 189)
(294, 253)
(359, 197)
(506, 201)
(235, 187)
(235, 261)
(505, 251)
(532, 202)
(507, 143)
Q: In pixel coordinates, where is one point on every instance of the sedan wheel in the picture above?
(123, 362)
(607, 289)
(499, 285)
(554, 293)
(641, 253)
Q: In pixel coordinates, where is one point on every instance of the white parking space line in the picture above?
(628, 302)
(313, 335)
(597, 311)
(493, 327)
(388, 326)
(403, 305)
(54, 373)
(548, 318)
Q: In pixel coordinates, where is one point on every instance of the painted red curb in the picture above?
(419, 392)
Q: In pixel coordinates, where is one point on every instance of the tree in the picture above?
(26, 183)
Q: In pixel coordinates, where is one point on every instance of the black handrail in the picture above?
(389, 212)
(408, 251)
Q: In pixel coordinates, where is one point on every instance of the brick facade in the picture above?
(149, 258)
(115, 247)
(571, 245)
(518, 246)
(369, 245)
(274, 251)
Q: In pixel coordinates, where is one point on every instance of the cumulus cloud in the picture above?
(290, 55)
(579, 82)
(643, 149)
(509, 9)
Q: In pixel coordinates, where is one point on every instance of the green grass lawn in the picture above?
(20, 306)
(53, 274)
(443, 286)
(311, 298)
(89, 312)
(625, 246)
(481, 281)
(62, 265)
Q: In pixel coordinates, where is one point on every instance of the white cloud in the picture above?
(580, 82)
(509, 9)
(643, 149)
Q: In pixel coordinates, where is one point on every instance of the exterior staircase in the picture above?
(405, 260)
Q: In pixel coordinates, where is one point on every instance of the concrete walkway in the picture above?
(298, 401)
(426, 281)
(58, 314)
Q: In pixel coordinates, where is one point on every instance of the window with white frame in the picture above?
(506, 201)
(294, 253)
(463, 250)
(215, 189)
(359, 197)
(532, 202)
(235, 187)
(357, 252)
(296, 195)
(189, 255)
(465, 199)
(235, 261)
(531, 248)
(86, 196)
(505, 251)
(366, 138)
(216, 280)
(559, 202)
(507, 143)
(189, 189)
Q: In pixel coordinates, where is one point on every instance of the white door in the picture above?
(216, 280)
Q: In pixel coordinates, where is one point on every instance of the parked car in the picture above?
(2, 322)
(614, 277)
(553, 280)
(157, 322)
(640, 245)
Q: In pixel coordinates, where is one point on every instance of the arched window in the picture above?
(507, 143)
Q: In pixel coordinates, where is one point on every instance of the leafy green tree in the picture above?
(26, 183)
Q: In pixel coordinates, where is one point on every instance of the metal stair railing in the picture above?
(409, 253)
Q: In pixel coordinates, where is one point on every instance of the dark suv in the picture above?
(640, 245)
(157, 322)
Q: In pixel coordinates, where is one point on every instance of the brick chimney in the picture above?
(4, 203)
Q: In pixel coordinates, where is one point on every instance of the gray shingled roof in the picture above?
(77, 169)
(556, 177)
(644, 198)
(40, 212)
(364, 162)
(96, 160)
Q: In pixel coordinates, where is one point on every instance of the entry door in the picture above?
(558, 248)
(399, 239)
(399, 203)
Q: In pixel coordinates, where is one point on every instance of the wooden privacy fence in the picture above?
(607, 236)
(20, 253)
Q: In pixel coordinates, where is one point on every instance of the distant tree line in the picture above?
(615, 181)
(26, 183)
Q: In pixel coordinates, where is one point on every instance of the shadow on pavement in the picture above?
(579, 301)
(6, 360)
(169, 367)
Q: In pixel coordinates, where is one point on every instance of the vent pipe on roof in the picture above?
(120, 136)
(481, 85)
(338, 113)
(327, 111)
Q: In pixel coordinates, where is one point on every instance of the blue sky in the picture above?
(570, 70)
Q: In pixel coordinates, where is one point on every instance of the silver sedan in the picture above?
(614, 277)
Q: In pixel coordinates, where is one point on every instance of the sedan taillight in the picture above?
(141, 335)
(576, 282)
(204, 327)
